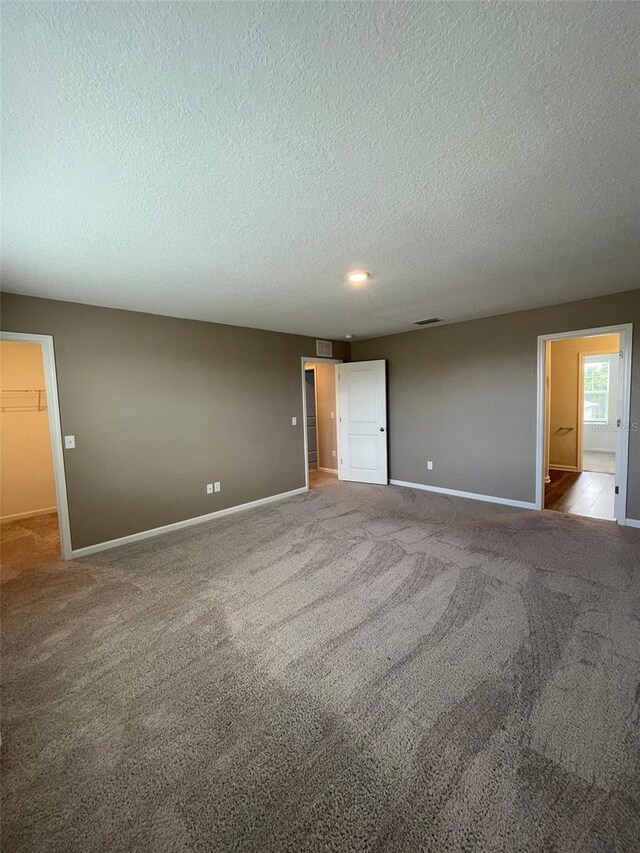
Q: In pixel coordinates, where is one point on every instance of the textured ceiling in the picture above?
(230, 162)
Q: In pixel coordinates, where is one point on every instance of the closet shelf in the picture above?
(23, 400)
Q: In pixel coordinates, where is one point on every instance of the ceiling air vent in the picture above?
(427, 322)
(324, 349)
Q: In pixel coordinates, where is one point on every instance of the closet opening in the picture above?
(34, 527)
(320, 420)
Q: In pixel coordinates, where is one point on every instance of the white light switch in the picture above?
(209, 488)
(69, 442)
(216, 487)
(294, 422)
(429, 466)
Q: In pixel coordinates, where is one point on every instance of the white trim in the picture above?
(329, 470)
(632, 522)
(55, 429)
(624, 394)
(180, 525)
(308, 359)
(6, 519)
(474, 496)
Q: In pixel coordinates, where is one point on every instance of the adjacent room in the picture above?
(320, 427)
(585, 398)
(29, 534)
(320, 413)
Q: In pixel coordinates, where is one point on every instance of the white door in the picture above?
(362, 429)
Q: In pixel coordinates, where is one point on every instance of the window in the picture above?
(596, 389)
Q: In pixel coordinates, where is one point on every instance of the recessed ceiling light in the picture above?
(348, 337)
(359, 276)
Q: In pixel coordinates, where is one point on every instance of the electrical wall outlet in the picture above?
(429, 465)
(216, 487)
(209, 488)
(333, 416)
(294, 422)
(69, 442)
(333, 453)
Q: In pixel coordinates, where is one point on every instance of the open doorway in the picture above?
(585, 407)
(34, 528)
(321, 442)
(344, 408)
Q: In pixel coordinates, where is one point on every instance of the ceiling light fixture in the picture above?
(427, 322)
(359, 276)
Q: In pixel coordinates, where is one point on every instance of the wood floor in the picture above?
(316, 478)
(589, 493)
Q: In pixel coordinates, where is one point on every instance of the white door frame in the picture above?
(55, 429)
(624, 394)
(308, 359)
(312, 368)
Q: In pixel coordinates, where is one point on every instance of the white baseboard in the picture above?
(180, 525)
(572, 468)
(5, 519)
(632, 522)
(474, 496)
(329, 470)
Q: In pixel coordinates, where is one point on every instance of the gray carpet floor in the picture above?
(358, 668)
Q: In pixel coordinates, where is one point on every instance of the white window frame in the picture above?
(596, 359)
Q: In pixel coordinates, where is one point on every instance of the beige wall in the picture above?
(27, 484)
(464, 396)
(161, 406)
(326, 394)
(565, 395)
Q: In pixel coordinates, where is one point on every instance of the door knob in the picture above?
(381, 429)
